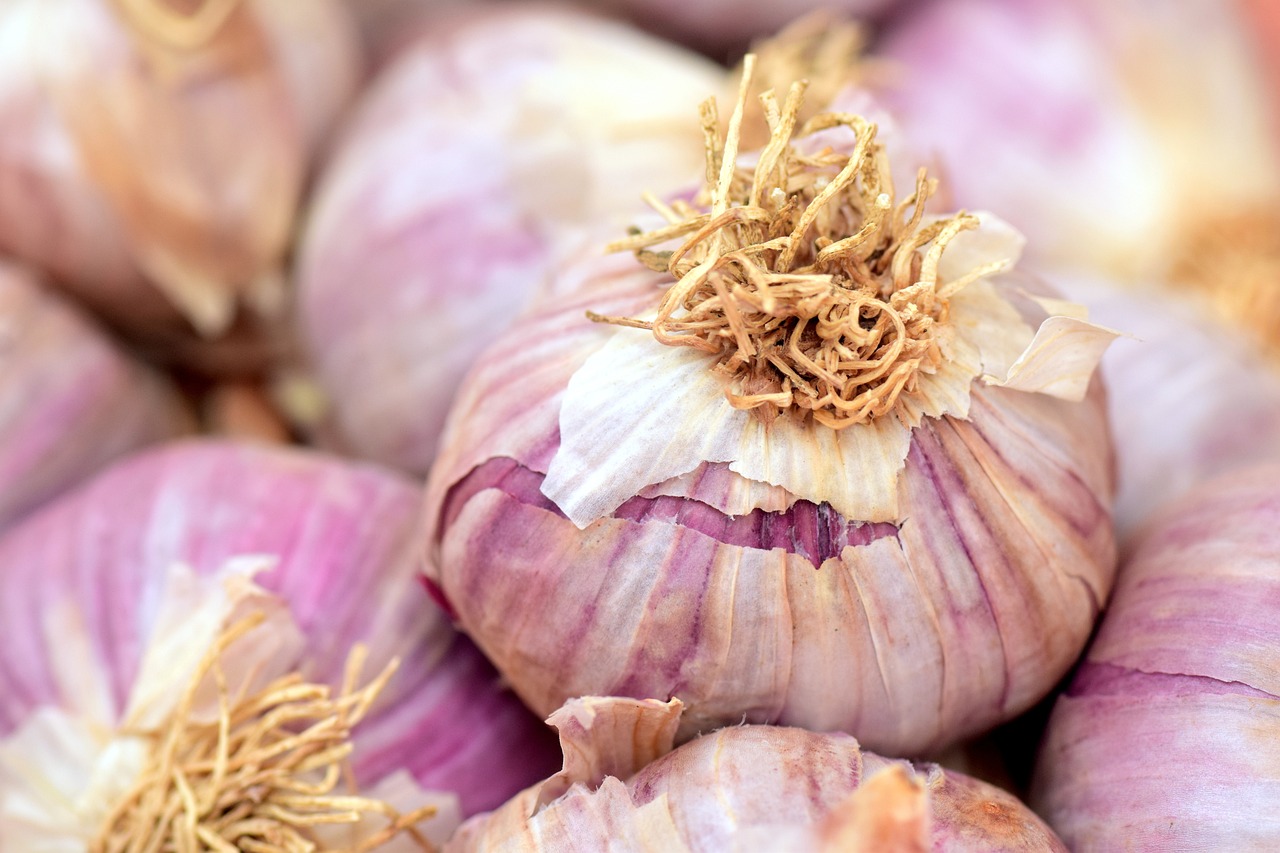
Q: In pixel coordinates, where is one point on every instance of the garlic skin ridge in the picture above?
(953, 622)
(741, 788)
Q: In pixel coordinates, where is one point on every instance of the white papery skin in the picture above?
(962, 614)
(70, 400)
(439, 216)
(1167, 738)
(159, 186)
(742, 788)
(83, 588)
(1103, 130)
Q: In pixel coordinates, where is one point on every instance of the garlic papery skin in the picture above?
(742, 788)
(1109, 133)
(604, 521)
(70, 401)
(450, 193)
(1167, 736)
(125, 168)
(81, 582)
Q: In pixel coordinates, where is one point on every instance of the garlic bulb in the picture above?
(894, 521)
(1129, 138)
(70, 400)
(445, 199)
(717, 24)
(1166, 737)
(125, 168)
(1188, 397)
(742, 788)
(106, 621)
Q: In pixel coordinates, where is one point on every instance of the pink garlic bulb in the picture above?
(609, 516)
(1165, 738)
(1114, 135)
(742, 788)
(718, 24)
(451, 193)
(1188, 396)
(151, 159)
(80, 584)
(70, 400)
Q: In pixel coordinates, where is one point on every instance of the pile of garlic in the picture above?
(745, 427)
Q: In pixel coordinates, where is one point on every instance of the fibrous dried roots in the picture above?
(816, 294)
(259, 776)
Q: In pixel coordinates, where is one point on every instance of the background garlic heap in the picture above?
(772, 407)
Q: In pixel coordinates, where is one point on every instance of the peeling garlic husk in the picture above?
(1117, 136)
(742, 788)
(451, 193)
(70, 401)
(938, 579)
(125, 168)
(1166, 737)
(84, 588)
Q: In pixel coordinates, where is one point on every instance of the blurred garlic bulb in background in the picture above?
(152, 154)
(1123, 138)
(1167, 736)
(908, 538)
(1188, 397)
(87, 588)
(624, 787)
(70, 400)
(448, 198)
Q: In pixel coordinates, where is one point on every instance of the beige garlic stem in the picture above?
(815, 293)
(260, 775)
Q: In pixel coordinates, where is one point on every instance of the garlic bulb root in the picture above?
(800, 319)
(249, 779)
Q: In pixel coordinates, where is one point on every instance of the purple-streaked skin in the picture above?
(1167, 737)
(70, 400)
(917, 634)
(54, 212)
(344, 535)
(449, 192)
(744, 787)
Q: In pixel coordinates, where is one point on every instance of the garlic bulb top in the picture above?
(742, 788)
(1167, 737)
(850, 496)
(125, 164)
(450, 191)
(70, 400)
(96, 588)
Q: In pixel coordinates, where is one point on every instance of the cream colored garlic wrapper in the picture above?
(153, 153)
(625, 786)
(70, 400)
(614, 516)
(450, 193)
(1167, 737)
(110, 624)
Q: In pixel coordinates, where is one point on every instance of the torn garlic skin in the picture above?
(814, 317)
(220, 741)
